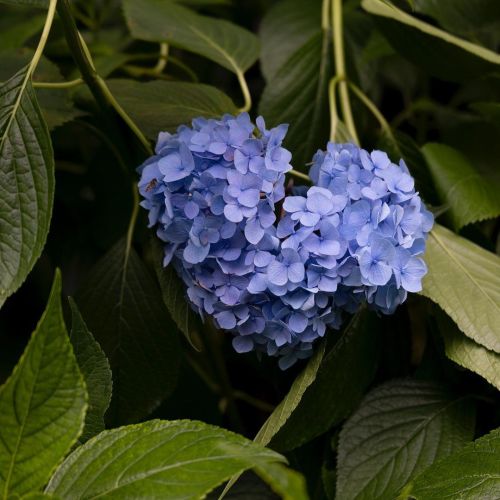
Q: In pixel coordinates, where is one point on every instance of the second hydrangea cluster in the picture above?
(278, 273)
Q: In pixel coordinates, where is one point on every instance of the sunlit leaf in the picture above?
(464, 280)
(42, 405)
(161, 459)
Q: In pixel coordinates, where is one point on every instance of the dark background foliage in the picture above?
(428, 90)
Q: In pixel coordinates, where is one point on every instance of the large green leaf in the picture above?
(470, 197)
(343, 376)
(225, 43)
(464, 280)
(297, 93)
(42, 405)
(122, 307)
(439, 52)
(286, 27)
(478, 20)
(96, 372)
(26, 182)
(471, 474)
(160, 105)
(15, 30)
(160, 459)
(385, 9)
(400, 427)
(467, 353)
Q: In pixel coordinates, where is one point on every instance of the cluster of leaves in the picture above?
(404, 405)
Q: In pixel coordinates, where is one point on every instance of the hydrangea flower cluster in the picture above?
(213, 191)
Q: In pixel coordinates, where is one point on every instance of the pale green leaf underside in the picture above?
(160, 459)
(26, 182)
(223, 42)
(96, 372)
(42, 405)
(386, 9)
(472, 473)
(471, 197)
(472, 356)
(464, 280)
(163, 106)
(400, 428)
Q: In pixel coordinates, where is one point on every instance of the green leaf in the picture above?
(438, 52)
(290, 402)
(123, 309)
(467, 353)
(337, 388)
(400, 427)
(490, 110)
(464, 280)
(470, 474)
(26, 182)
(16, 30)
(96, 372)
(470, 197)
(157, 106)
(223, 42)
(286, 27)
(386, 9)
(173, 292)
(42, 405)
(56, 104)
(160, 459)
(478, 20)
(34, 3)
(297, 93)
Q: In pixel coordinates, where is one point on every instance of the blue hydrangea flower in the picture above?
(211, 191)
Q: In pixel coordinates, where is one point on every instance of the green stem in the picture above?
(96, 84)
(58, 85)
(125, 117)
(334, 115)
(162, 59)
(43, 37)
(299, 175)
(340, 71)
(373, 109)
(257, 403)
(247, 98)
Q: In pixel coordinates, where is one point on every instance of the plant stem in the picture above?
(374, 110)
(58, 85)
(43, 37)
(125, 117)
(162, 59)
(340, 71)
(96, 84)
(246, 93)
(299, 175)
(334, 115)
